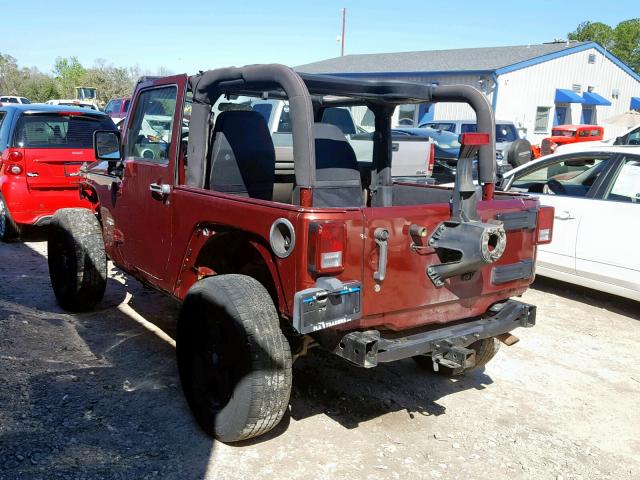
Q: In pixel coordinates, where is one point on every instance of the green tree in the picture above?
(9, 75)
(38, 87)
(623, 40)
(627, 42)
(69, 73)
(110, 81)
(594, 32)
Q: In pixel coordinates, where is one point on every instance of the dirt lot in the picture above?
(97, 396)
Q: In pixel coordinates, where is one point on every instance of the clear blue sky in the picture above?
(198, 34)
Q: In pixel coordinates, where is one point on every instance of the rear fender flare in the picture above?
(194, 268)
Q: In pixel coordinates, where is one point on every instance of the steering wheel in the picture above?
(554, 187)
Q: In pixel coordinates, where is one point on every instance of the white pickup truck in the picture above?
(413, 157)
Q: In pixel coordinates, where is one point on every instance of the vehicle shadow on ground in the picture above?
(121, 415)
(595, 298)
(110, 404)
(350, 395)
(92, 395)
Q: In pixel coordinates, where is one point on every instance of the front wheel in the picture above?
(485, 350)
(233, 359)
(77, 260)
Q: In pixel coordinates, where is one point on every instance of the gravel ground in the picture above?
(96, 396)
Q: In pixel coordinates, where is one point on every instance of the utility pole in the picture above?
(344, 23)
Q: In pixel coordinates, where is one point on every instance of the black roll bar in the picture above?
(208, 86)
(485, 122)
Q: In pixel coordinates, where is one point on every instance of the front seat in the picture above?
(242, 156)
(57, 134)
(338, 181)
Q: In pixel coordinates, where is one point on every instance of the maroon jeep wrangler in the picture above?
(278, 246)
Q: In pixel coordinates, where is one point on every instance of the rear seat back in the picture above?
(338, 181)
(242, 156)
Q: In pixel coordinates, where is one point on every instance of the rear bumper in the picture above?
(368, 348)
(36, 207)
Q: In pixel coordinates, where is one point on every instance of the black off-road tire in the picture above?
(77, 260)
(233, 359)
(485, 349)
(9, 230)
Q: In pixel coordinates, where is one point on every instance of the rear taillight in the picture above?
(14, 156)
(432, 158)
(327, 246)
(544, 231)
(13, 162)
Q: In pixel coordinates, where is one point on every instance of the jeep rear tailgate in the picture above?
(410, 295)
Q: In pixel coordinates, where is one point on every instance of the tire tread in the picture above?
(270, 378)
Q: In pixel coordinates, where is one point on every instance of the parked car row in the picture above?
(506, 134)
(116, 108)
(14, 99)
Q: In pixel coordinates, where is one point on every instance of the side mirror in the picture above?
(106, 145)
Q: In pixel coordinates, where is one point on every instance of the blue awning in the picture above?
(567, 96)
(635, 103)
(592, 98)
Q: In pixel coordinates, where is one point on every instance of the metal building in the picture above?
(535, 86)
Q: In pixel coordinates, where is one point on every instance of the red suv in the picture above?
(117, 108)
(42, 148)
(564, 134)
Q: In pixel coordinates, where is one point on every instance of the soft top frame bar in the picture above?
(302, 89)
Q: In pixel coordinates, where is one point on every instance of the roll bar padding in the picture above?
(485, 121)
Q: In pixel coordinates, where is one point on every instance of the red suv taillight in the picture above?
(327, 246)
(432, 158)
(13, 162)
(544, 231)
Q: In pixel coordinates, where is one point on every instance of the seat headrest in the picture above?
(238, 120)
(341, 118)
(242, 155)
(332, 149)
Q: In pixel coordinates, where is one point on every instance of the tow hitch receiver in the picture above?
(454, 358)
(447, 345)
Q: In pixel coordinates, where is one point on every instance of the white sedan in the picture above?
(596, 195)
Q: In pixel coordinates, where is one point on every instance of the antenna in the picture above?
(344, 23)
